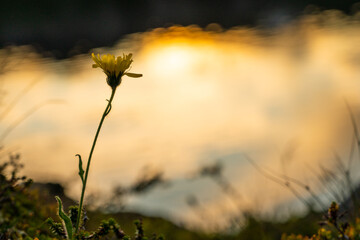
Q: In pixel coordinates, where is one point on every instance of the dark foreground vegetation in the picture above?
(25, 207)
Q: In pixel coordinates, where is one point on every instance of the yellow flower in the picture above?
(114, 68)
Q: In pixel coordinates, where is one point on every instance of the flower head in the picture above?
(114, 68)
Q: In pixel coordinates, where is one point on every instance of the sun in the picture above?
(172, 57)
(176, 52)
(177, 57)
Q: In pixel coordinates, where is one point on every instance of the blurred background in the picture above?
(243, 107)
(66, 28)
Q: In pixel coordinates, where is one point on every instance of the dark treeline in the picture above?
(68, 27)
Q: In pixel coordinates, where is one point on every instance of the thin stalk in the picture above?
(279, 180)
(106, 112)
(27, 114)
(17, 98)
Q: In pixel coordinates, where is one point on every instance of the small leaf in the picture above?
(65, 218)
(81, 170)
(133, 75)
(56, 228)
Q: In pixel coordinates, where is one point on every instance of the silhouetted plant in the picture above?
(21, 216)
(334, 227)
(74, 221)
(114, 69)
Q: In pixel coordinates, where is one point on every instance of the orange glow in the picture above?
(172, 57)
(178, 50)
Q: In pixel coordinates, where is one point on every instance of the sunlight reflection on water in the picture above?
(205, 96)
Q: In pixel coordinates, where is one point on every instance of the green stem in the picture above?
(106, 112)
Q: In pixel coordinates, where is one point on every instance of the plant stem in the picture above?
(106, 112)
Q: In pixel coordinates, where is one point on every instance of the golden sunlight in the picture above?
(174, 57)
(170, 55)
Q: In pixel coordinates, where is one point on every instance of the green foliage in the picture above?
(56, 228)
(150, 225)
(68, 227)
(73, 213)
(21, 216)
(81, 169)
(107, 228)
(333, 228)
